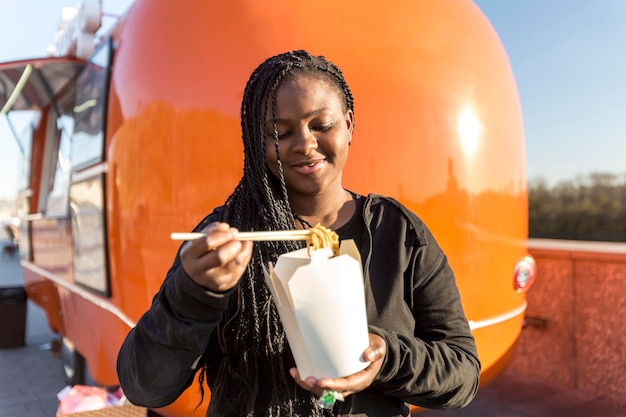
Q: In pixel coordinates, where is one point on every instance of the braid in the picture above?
(251, 338)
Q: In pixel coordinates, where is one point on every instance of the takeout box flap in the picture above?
(348, 247)
(279, 292)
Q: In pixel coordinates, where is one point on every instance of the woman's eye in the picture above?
(322, 128)
(279, 134)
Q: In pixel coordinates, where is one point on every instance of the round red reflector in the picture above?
(524, 273)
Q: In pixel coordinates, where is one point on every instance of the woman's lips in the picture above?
(310, 167)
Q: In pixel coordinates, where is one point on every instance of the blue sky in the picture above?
(568, 58)
(569, 62)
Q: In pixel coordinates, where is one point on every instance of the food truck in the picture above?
(135, 134)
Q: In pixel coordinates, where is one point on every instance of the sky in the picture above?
(567, 56)
(569, 62)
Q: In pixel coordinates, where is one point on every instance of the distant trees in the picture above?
(586, 208)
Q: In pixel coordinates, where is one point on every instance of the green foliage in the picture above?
(586, 208)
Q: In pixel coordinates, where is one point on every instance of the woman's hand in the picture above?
(375, 354)
(218, 261)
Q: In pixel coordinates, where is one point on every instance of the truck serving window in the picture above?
(30, 93)
(90, 109)
(87, 188)
(57, 203)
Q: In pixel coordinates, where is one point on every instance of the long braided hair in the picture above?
(252, 377)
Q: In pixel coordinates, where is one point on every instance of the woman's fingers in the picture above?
(218, 260)
(242, 258)
(216, 234)
(309, 384)
(375, 354)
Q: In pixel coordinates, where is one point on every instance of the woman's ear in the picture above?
(350, 124)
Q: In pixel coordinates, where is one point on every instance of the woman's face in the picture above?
(314, 132)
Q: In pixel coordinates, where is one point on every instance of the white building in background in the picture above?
(7, 210)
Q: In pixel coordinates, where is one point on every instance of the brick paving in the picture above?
(31, 375)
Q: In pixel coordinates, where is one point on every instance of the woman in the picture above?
(214, 315)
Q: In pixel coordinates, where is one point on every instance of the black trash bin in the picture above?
(12, 317)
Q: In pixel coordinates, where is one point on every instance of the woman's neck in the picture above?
(332, 210)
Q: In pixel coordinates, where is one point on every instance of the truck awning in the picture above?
(34, 84)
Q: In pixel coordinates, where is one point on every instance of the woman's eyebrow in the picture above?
(304, 116)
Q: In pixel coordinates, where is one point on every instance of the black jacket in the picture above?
(412, 302)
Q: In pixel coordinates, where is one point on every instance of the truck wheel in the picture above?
(73, 363)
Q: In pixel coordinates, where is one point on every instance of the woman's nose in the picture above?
(305, 142)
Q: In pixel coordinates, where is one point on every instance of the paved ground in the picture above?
(514, 396)
(30, 377)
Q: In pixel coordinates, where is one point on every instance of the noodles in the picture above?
(321, 237)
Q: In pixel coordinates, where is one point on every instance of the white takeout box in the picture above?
(321, 303)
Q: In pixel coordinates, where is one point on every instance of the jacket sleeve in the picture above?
(437, 366)
(159, 357)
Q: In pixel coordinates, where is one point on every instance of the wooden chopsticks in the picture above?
(254, 236)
